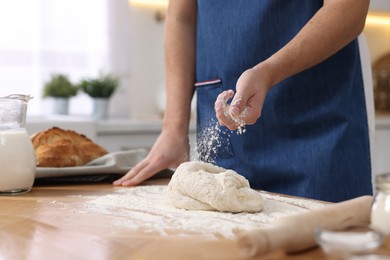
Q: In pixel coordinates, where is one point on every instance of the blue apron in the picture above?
(312, 138)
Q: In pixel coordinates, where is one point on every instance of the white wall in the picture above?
(136, 55)
(378, 39)
(146, 62)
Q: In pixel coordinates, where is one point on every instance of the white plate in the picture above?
(112, 163)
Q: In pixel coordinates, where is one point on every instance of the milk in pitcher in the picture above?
(17, 162)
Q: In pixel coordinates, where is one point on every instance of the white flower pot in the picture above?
(100, 108)
(61, 106)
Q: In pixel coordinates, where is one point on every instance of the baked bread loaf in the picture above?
(56, 147)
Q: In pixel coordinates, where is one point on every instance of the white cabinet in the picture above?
(82, 125)
(114, 135)
(382, 144)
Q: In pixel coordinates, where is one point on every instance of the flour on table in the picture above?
(144, 209)
(198, 185)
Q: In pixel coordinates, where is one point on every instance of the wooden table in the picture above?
(46, 224)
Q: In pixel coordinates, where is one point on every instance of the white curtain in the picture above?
(78, 38)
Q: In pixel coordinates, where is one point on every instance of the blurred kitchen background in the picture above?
(81, 38)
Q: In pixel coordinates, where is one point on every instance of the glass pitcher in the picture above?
(380, 211)
(17, 157)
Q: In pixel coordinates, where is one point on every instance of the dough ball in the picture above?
(203, 186)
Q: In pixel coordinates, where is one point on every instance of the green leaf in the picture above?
(101, 87)
(59, 86)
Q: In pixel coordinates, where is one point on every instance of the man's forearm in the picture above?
(180, 40)
(335, 25)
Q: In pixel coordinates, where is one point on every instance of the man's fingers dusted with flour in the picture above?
(222, 109)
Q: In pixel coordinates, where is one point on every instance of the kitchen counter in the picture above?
(54, 222)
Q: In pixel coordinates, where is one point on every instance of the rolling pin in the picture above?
(295, 233)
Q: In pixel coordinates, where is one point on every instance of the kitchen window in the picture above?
(42, 37)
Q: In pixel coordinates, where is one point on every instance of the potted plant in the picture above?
(100, 89)
(61, 89)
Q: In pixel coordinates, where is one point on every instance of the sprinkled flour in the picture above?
(209, 141)
(214, 138)
(143, 208)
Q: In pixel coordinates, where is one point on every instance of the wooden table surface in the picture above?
(46, 223)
